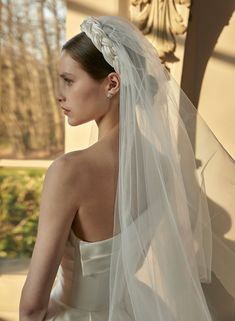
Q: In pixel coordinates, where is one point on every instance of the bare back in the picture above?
(97, 177)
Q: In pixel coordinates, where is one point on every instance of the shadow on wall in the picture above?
(206, 22)
(221, 304)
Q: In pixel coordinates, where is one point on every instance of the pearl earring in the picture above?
(109, 95)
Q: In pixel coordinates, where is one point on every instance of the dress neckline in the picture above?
(95, 242)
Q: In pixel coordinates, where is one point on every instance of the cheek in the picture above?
(87, 95)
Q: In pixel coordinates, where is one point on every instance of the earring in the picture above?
(109, 95)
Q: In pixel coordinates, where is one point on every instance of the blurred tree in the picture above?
(31, 124)
(19, 208)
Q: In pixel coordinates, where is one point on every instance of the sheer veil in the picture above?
(162, 245)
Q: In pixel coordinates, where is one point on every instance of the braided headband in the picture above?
(93, 29)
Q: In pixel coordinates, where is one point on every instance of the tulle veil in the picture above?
(161, 212)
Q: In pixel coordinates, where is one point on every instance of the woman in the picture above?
(124, 224)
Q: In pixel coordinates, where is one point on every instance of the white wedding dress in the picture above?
(81, 290)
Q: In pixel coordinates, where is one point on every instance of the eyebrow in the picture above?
(65, 74)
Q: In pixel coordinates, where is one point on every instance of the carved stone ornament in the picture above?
(160, 21)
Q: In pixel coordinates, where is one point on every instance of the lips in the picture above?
(65, 109)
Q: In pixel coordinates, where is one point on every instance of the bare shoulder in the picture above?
(71, 164)
(84, 169)
(87, 161)
(76, 166)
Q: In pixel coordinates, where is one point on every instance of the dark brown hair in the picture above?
(82, 50)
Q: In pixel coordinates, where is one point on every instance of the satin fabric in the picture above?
(81, 289)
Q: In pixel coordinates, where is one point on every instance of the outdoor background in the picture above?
(31, 124)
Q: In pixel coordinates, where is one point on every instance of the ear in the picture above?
(113, 83)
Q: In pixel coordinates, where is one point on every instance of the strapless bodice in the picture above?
(81, 290)
(82, 280)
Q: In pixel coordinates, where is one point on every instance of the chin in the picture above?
(72, 123)
(75, 122)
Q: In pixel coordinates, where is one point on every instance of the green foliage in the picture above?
(19, 207)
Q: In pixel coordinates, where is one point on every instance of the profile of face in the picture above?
(80, 96)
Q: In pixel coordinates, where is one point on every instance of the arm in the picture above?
(59, 203)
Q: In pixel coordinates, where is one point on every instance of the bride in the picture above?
(124, 228)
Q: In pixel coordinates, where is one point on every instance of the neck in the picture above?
(109, 122)
(107, 131)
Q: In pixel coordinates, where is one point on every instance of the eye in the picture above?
(68, 81)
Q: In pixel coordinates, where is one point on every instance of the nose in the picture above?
(60, 98)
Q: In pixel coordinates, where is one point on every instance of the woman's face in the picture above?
(84, 98)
